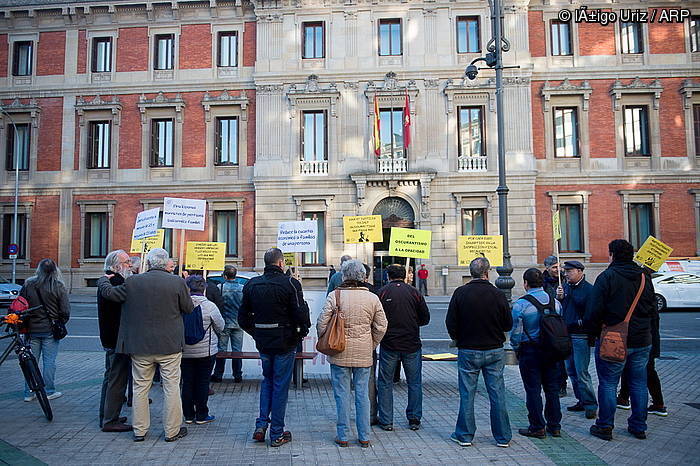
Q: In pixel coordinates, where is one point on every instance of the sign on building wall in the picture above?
(473, 246)
(363, 229)
(407, 242)
(184, 214)
(298, 236)
(653, 253)
(146, 223)
(146, 244)
(205, 255)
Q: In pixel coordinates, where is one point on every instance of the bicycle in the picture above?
(27, 361)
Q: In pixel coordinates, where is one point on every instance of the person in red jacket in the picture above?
(423, 280)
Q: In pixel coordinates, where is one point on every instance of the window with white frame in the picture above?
(471, 132)
(566, 142)
(227, 53)
(468, 39)
(101, 54)
(314, 136)
(390, 37)
(313, 40)
(99, 144)
(631, 38)
(391, 133)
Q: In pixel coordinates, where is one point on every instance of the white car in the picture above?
(676, 289)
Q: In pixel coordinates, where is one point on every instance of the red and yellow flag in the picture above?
(377, 139)
(406, 122)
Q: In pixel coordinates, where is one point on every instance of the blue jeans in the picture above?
(274, 391)
(340, 379)
(412, 364)
(44, 348)
(577, 368)
(235, 336)
(538, 374)
(490, 363)
(609, 374)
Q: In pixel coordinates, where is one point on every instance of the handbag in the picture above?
(332, 341)
(613, 339)
(58, 328)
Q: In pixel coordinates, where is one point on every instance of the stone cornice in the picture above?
(114, 106)
(16, 106)
(566, 88)
(637, 86)
(313, 93)
(161, 101)
(225, 99)
(687, 89)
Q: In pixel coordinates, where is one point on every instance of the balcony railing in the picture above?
(472, 164)
(390, 165)
(313, 167)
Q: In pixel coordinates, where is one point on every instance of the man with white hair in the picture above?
(151, 330)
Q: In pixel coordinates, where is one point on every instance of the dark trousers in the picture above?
(117, 370)
(195, 387)
(653, 384)
(538, 373)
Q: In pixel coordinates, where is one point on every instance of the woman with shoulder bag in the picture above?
(47, 325)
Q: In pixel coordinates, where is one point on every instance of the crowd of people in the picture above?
(153, 322)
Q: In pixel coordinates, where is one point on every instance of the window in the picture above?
(641, 220)
(631, 38)
(473, 221)
(468, 34)
(696, 127)
(561, 38)
(318, 257)
(636, 123)
(314, 136)
(227, 141)
(695, 34)
(571, 228)
(18, 146)
(313, 40)
(96, 234)
(164, 55)
(162, 143)
(228, 49)
(389, 37)
(566, 132)
(8, 225)
(102, 55)
(391, 133)
(471, 132)
(22, 58)
(168, 233)
(226, 230)
(99, 141)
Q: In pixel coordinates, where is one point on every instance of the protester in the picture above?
(45, 289)
(274, 312)
(331, 272)
(409, 275)
(151, 330)
(423, 280)
(537, 369)
(406, 311)
(573, 296)
(198, 358)
(232, 294)
(611, 299)
(117, 365)
(365, 325)
(553, 278)
(212, 292)
(337, 277)
(477, 317)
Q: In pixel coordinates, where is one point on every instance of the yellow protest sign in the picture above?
(488, 246)
(204, 255)
(290, 259)
(407, 242)
(556, 225)
(146, 244)
(653, 253)
(363, 229)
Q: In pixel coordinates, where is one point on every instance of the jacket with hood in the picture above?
(213, 324)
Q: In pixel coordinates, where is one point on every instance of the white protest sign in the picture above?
(146, 223)
(297, 236)
(184, 214)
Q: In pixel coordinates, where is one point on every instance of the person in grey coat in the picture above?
(152, 332)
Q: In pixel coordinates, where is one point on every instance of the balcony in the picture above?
(390, 165)
(313, 167)
(471, 164)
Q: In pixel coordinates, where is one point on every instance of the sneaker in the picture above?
(189, 421)
(414, 424)
(286, 437)
(387, 427)
(503, 445)
(139, 438)
(181, 433)
(641, 435)
(578, 407)
(341, 443)
(259, 434)
(206, 420)
(590, 413)
(623, 403)
(54, 395)
(461, 443)
(29, 398)
(532, 433)
(654, 409)
(604, 433)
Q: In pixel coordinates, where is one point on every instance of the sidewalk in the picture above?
(74, 438)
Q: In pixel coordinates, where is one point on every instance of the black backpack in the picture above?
(554, 334)
(194, 326)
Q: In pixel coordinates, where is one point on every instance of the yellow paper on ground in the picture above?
(146, 244)
(362, 229)
(653, 253)
(205, 255)
(439, 356)
(290, 259)
(407, 242)
(488, 246)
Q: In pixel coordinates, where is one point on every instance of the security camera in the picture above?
(472, 71)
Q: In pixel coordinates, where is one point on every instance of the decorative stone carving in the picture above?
(637, 86)
(270, 89)
(114, 106)
(313, 93)
(225, 99)
(468, 91)
(16, 106)
(566, 88)
(687, 90)
(161, 101)
(391, 92)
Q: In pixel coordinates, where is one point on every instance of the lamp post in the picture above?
(494, 59)
(14, 216)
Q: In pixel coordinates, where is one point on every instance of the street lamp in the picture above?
(494, 59)
(14, 217)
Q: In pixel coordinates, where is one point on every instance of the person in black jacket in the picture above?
(406, 311)
(477, 317)
(274, 312)
(553, 279)
(613, 294)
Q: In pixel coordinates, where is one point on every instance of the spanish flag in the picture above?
(377, 139)
(406, 123)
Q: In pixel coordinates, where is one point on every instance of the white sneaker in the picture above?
(54, 395)
(29, 398)
(461, 444)
(503, 445)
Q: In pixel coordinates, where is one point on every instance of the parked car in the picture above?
(8, 292)
(676, 289)
(241, 277)
(691, 265)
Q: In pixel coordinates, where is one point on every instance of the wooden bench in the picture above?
(298, 363)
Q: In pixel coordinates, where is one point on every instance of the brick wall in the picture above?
(132, 49)
(538, 139)
(249, 44)
(51, 54)
(665, 37)
(194, 135)
(82, 52)
(601, 123)
(594, 39)
(536, 33)
(4, 51)
(50, 133)
(44, 230)
(671, 116)
(195, 46)
(130, 132)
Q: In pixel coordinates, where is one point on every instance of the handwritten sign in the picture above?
(298, 236)
(151, 242)
(203, 255)
(653, 253)
(363, 229)
(146, 223)
(406, 242)
(184, 214)
(488, 246)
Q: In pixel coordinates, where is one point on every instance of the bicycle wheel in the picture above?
(35, 381)
(44, 402)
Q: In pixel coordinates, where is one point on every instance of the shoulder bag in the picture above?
(58, 328)
(613, 339)
(332, 341)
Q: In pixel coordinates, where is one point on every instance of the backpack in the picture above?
(194, 326)
(554, 334)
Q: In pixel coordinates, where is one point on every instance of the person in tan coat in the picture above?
(365, 325)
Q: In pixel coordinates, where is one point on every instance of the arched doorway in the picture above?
(395, 212)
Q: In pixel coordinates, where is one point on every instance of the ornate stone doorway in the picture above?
(395, 212)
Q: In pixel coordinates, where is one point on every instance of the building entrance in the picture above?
(395, 212)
